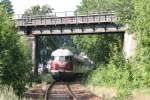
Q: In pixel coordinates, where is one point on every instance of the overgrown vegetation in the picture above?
(118, 72)
(7, 93)
(15, 66)
(105, 50)
(99, 47)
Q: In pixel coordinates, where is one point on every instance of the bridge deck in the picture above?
(51, 20)
(52, 24)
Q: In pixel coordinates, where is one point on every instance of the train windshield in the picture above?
(62, 58)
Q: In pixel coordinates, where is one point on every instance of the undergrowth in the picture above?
(7, 93)
(124, 75)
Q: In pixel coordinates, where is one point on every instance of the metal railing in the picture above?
(65, 18)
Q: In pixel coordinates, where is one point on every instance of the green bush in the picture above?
(117, 73)
(15, 62)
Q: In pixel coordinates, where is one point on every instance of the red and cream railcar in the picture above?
(61, 63)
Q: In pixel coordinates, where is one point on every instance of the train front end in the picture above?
(61, 64)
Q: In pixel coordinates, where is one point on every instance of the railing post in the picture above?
(105, 17)
(35, 21)
(22, 19)
(61, 20)
(111, 17)
(51, 20)
(26, 18)
(87, 16)
(55, 20)
(55, 17)
(99, 17)
(82, 19)
(55, 14)
(65, 13)
(93, 18)
(45, 20)
(41, 19)
(76, 15)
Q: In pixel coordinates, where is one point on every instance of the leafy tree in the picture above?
(96, 5)
(37, 10)
(14, 59)
(102, 45)
(46, 9)
(135, 13)
(98, 47)
(141, 26)
(34, 10)
(124, 10)
(117, 72)
(7, 6)
(136, 72)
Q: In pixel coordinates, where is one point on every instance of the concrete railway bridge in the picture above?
(72, 23)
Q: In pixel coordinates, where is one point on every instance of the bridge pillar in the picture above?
(31, 40)
(129, 45)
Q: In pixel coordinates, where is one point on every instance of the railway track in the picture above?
(59, 90)
(65, 94)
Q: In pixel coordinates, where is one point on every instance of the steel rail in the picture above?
(73, 96)
(48, 89)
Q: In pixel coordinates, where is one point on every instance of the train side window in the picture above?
(52, 57)
(71, 58)
(67, 58)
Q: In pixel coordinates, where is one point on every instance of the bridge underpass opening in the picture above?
(91, 23)
(97, 47)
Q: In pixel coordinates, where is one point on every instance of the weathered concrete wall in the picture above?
(31, 43)
(129, 45)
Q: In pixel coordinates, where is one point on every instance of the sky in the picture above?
(59, 5)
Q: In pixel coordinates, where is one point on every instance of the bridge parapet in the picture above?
(63, 14)
(68, 23)
(64, 18)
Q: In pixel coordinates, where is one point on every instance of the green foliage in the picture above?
(138, 22)
(124, 9)
(98, 47)
(96, 5)
(141, 23)
(135, 73)
(7, 6)
(37, 10)
(124, 75)
(14, 57)
(117, 73)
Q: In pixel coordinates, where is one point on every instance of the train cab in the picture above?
(61, 63)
